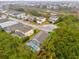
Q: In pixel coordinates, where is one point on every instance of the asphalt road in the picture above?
(46, 28)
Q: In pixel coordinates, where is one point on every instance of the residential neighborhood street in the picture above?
(46, 28)
(23, 27)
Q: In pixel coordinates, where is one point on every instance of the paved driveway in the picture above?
(48, 27)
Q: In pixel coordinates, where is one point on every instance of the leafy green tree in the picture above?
(13, 48)
(64, 41)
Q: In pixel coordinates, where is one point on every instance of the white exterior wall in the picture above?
(43, 20)
(3, 17)
(29, 32)
(39, 22)
(21, 15)
(54, 20)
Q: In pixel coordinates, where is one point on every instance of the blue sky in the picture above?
(39, 0)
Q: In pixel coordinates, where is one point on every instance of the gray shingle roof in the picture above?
(15, 13)
(3, 20)
(40, 37)
(53, 18)
(20, 27)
